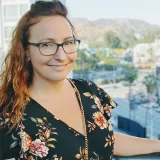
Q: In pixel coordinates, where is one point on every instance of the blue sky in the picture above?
(148, 10)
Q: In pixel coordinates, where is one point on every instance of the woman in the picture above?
(46, 116)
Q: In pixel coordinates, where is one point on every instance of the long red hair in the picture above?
(17, 73)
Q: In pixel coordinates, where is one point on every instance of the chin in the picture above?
(57, 78)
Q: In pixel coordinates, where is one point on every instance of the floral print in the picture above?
(38, 148)
(100, 120)
(81, 155)
(45, 131)
(26, 141)
(107, 109)
(110, 100)
(109, 141)
(99, 105)
(42, 136)
(91, 126)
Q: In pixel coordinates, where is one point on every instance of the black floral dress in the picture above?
(41, 136)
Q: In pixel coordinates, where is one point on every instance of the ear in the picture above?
(27, 55)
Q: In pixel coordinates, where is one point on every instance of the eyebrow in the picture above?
(53, 40)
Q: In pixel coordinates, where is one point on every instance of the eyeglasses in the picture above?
(51, 48)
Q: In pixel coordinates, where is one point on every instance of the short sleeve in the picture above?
(106, 100)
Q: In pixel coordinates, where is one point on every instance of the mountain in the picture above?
(125, 29)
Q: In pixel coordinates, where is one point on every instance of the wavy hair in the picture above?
(16, 74)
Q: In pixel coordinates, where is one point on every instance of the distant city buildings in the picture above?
(144, 54)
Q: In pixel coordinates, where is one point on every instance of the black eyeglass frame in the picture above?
(58, 45)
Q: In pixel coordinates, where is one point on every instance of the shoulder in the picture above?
(92, 91)
(84, 84)
(88, 86)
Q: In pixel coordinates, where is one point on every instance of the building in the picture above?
(144, 55)
(11, 11)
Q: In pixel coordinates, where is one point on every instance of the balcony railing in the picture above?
(154, 156)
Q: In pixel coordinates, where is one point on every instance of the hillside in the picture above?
(128, 30)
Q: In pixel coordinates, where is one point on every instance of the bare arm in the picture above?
(129, 146)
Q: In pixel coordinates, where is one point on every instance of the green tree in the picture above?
(86, 61)
(116, 43)
(101, 55)
(125, 44)
(151, 84)
(131, 74)
(111, 40)
(108, 38)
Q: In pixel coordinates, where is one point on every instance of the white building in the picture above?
(11, 11)
(142, 53)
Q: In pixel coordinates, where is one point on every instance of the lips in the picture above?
(58, 68)
(57, 65)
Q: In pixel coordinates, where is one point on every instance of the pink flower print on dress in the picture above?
(38, 148)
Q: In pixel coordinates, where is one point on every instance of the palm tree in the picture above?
(131, 74)
(151, 84)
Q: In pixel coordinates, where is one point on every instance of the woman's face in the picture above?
(55, 67)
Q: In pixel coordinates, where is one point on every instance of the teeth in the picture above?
(57, 66)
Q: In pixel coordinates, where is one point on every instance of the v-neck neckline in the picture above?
(57, 118)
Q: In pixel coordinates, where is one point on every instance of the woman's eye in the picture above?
(69, 43)
(46, 45)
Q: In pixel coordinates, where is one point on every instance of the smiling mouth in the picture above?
(58, 65)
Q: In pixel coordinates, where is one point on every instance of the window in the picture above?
(8, 32)
(11, 11)
(23, 8)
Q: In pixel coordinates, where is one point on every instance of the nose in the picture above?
(60, 54)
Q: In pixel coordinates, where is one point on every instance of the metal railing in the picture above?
(154, 156)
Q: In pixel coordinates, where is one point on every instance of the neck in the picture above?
(45, 89)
